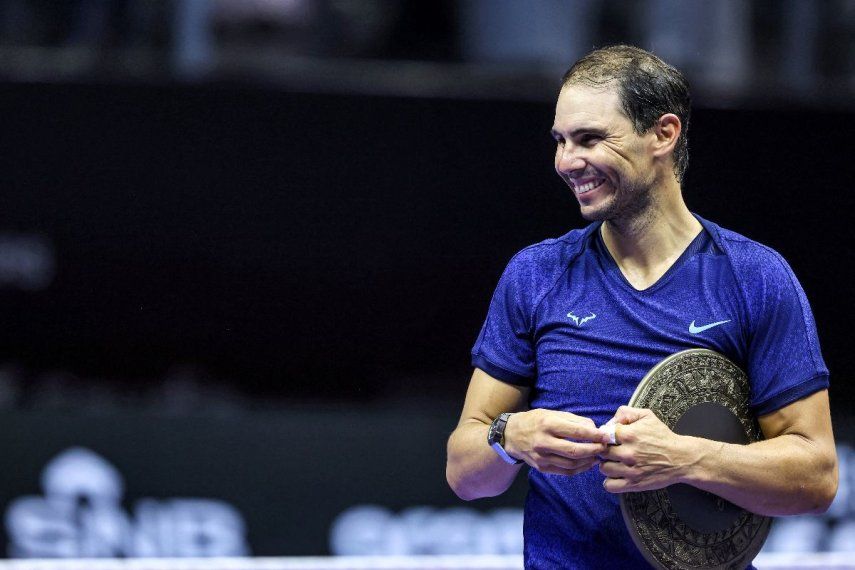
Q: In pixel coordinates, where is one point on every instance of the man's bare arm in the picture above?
(538, 437)
(474, 470)
(793, 471)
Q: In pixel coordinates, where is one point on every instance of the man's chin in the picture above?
(596, 207)
(594, 214)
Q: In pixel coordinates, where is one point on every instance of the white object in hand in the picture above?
(610, 428)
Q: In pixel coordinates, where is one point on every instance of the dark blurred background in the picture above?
(239, 211)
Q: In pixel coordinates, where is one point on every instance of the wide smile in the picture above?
(588, 185)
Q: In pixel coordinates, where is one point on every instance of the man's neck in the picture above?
(647, 243)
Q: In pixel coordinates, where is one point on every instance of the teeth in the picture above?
(588, 186)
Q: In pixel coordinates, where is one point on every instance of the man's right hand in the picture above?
(554, 442)
(549, 441)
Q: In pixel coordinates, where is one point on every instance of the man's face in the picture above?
(608, 166)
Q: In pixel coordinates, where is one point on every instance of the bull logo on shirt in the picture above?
(580, 320)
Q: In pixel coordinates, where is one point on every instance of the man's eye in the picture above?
(559, 140)
(589, 139)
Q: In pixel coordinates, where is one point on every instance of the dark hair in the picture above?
(647, 86)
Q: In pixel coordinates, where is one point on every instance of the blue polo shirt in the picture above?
(565, 322)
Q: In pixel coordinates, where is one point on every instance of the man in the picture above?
(577, 321)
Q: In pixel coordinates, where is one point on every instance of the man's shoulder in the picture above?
(535, 269)
(553, 253)
(746, 254)
(752, 262)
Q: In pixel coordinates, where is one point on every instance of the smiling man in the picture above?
(577, 321)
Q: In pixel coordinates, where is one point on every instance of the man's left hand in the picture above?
(649, 455)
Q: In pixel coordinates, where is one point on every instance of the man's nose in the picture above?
(569, 161)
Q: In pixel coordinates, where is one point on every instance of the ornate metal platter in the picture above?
(701, 393)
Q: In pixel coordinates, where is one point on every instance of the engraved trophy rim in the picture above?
(642, 385)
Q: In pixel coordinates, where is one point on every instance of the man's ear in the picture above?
(667, 130)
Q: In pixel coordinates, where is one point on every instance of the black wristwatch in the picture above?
(496, 438)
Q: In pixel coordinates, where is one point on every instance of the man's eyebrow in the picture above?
(580, 131)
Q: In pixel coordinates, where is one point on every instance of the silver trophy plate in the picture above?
(701, 393)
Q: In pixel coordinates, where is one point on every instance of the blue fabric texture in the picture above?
(566, 323)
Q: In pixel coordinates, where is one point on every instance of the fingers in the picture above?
(620, 478)
(627, 432)
(619, 453)
(569, 449)
(617, 485)
(569, 426)
(569, 464)
(561, 466)
(615, 429)
(632, 485)
(617, 470)
(578, 458)
(627, 415)
(554, 442)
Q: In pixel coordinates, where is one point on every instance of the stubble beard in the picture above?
(630, 204)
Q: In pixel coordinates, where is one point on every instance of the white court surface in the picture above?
(783, 561)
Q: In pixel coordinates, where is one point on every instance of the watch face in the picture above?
(491, 435)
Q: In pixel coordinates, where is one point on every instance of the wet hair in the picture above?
(647, 86)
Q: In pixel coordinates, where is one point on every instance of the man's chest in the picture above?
(594, 335)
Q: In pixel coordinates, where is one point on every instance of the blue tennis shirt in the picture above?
(565, 322)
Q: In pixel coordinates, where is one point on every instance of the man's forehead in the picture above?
(599, 105)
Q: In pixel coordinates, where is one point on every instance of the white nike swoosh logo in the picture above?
(695, 330)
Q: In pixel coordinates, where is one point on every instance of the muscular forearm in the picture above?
(785, 475)
(792, 471)
(474, 470)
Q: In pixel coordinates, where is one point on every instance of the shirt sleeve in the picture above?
(784, 359)
(504, 348)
